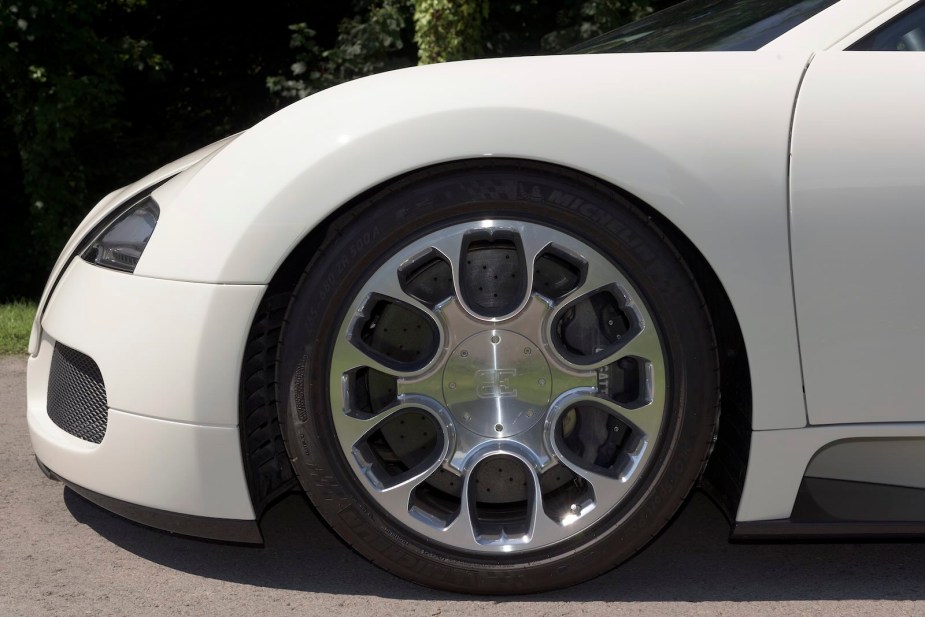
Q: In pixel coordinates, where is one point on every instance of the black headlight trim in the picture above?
(124, 209)
(120, 244)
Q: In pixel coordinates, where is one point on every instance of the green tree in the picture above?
(377, 35)
(87, 106)
(61, 93)
(372, 41)
(446, 30)
(99, 92)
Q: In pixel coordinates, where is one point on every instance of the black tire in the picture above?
(265, 459)
(367, 233)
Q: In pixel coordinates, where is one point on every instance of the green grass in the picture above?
(15, 325)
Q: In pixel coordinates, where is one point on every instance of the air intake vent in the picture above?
(77, 394)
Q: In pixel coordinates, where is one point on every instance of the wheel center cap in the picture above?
(497, 383)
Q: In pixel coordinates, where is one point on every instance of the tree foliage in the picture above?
(376, 36)
(370, 42)
(446, 30)
(62, 65)
(99, 92)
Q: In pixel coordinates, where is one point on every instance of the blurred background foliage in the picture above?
(97, 93)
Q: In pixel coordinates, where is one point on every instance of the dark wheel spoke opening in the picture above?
(396, 334)
(626, 382)
(427, 277)
(593, 438)
(400, 448)
(565, 494)
(437, 501)
(369, 392)
(594, 326)
(493, 273)
(501, 499)
(557, 273)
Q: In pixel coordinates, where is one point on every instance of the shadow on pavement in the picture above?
(691, 562)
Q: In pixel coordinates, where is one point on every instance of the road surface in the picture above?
(61, 555)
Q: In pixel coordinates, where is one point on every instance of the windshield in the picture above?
(707, 25)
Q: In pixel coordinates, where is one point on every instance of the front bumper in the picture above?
(228, 530)
(170, 356)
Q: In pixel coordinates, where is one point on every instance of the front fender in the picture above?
(703, 138)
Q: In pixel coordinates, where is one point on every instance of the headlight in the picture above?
(121, 242)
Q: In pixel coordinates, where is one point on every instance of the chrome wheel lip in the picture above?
(461, 450)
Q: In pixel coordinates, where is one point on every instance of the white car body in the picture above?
(786, 168)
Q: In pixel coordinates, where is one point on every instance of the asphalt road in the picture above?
(61, 555)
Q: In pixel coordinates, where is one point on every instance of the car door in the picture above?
(858, 226)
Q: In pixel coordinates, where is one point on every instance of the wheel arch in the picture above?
(715, 167)
(270, 475)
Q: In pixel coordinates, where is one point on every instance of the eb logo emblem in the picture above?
(495, 383)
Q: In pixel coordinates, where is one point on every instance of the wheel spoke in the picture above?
(450, 246)
(352, 430)
(386, 283)
(384, 286)
(608, 490)
(644, 345)
(348, 356)
(532, 244)
(646, 418)
(397, 499)
(602, 293)
(542, 528)
(461, 531)
(597, 276)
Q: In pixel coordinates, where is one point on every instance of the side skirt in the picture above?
(828, 509)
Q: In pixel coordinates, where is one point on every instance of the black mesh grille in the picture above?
(77, 394)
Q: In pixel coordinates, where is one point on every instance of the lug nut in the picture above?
(530, 413)
(499, 427)
(496, 339)
(541, 381)
(527, 351)
(467, 416)
(452, 385)
(464, 353)
(575, 509)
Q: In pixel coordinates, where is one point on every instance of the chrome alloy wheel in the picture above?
(497, 386)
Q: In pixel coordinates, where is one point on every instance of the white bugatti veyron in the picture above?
(498, 318)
